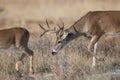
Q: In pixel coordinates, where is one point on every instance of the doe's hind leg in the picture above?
(30, 55)
(19, 61)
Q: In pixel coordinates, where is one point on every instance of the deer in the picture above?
(18, 37)
(93, 25)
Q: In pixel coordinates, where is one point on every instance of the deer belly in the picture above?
(112, 34)
(5, 43)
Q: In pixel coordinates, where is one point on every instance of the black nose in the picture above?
(53, 53)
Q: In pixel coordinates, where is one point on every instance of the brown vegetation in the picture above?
(72, 63)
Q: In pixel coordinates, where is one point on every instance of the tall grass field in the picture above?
(71, 63)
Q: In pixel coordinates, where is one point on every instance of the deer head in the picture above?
(59, 39)
(62, 37)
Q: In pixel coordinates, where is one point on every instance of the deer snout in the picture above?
(54, 52)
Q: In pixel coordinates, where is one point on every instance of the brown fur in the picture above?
(19, 38)
(92, 25)
(95, 24)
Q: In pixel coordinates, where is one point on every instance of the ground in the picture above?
(73, 62)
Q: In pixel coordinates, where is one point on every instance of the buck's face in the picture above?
(63, 37)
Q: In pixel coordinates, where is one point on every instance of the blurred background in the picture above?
(73, 62)
(38, 10)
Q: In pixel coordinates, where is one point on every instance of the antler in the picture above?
(47, 24)
(45, 31)
(54, 30)
(61, 28)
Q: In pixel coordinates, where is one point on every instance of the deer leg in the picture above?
(18, 46)
(19, 61)
(95, 52)
(93, 44)
(30, 53)
(16, 65)
(31, 64)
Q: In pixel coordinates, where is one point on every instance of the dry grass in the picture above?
(72, 63)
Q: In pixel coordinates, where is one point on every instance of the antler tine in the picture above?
(42, 27)
(59, 26)
(42, 34)
(62, 23)
(45, 30)
(47, 24)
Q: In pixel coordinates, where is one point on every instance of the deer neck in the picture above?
(77, 27)
(73, 32)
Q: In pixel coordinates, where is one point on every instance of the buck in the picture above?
(18, 37)
(93, 25)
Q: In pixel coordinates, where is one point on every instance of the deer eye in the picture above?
(60, 35)
(59, 42)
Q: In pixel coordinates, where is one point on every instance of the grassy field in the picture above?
(73, 62)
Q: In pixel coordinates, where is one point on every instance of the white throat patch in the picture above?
(65, 35)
